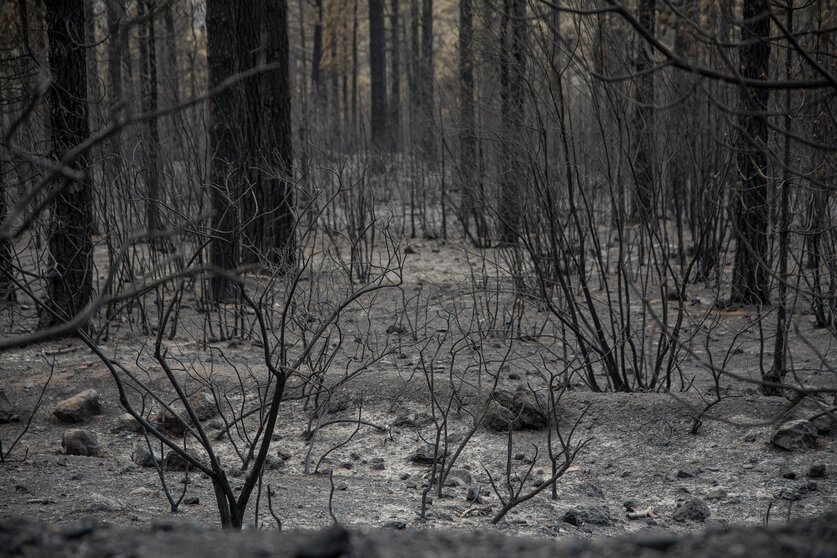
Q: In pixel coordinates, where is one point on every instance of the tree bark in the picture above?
(642, 207)
(150, 130)
(277, 196)
(377, 71)
(750, 278)
(394, 119)
(69, 282)
(425, 107)
(222, 176)
(469, 206)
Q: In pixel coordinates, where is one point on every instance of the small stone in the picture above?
(342, 486)
(788, 495)
(520, 407)
(143, 457)
(786, 472)
(6, 409)
(378, 464)
(593, 515)
(286, 456)
(590, 490)
(694, 509)
(474, 495)
(405, 476)
(459, 477)
(395, 524)
(626, 473)
(127, 423)
(176, 463)
(817, 471)
(77, 441)
(716, 494)
(79, 407)
(424, 455)
(684, 474)
(192, 501)
(411, 484)
(274, 462)
(750, 438)
(795, 435)
(204, 405)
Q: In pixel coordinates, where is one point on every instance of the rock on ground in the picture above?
(77, 441)
(520, 407)
(694, 509)
(814, 408)
(79, 407)
(6, 409)
(593, 515)
(794, 435)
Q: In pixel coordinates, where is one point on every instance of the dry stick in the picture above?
(270, 508)
(331, 496)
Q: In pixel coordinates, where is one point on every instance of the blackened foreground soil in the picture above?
(815, 537)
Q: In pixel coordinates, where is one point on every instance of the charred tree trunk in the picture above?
(750, 277)
(150, 131)
(377, 71)
(7, 291)
(222, 176)
(248, 130)
(425, 111)
(113, 163)
(394, 119)
(470, 206)
(69, 282)
(642, 207)
(317, 55)
(276, 241)
(512, 68)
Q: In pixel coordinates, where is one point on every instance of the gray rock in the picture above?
(274, 462)
(127, 423)
(6, 409)
(520, 407)
(204, 405)
(592, 515)
(79, 407)
(459, 477)
(694, 509)
(716, 494)
(378, 464)
(176, 463)
(174, 423)
(424, 455)
(590, 490)
(817, 471)
(342, 486)
(684, 473)
(475, 495)
(786, 472)
(416, 421)
(143, 457)
(77, 441)
(100, 503)
(795, 435)
(815, 409)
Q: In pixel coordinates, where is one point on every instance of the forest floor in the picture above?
(641, 451)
